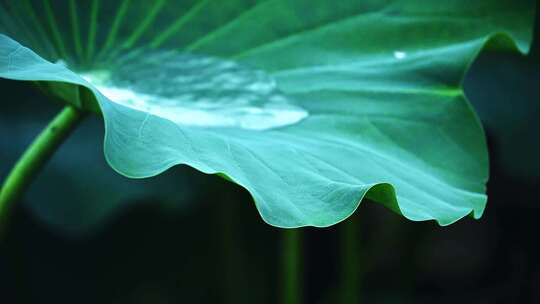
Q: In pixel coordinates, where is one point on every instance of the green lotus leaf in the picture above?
(312, 106)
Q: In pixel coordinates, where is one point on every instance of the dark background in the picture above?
(209, 245)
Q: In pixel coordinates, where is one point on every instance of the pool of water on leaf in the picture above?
(196, 90)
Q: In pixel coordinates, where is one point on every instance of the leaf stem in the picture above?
(292, 260)
(350, 268)
(35, 157)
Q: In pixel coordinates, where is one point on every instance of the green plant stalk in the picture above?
(292, 264)
(35, 157)
(350, 269)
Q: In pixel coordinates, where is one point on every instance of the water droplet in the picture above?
(197, 91)
(61, 62)
(400, 55)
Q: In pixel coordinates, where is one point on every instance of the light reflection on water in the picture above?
(197, 91)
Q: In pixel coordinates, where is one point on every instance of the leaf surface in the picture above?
(375, 87)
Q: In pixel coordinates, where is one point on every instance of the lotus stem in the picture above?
(350, 268)
(35, 157)
(292, 264)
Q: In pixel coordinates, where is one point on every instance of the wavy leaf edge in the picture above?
(387, 189)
